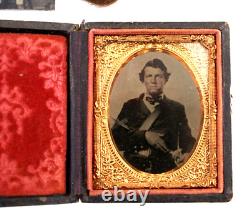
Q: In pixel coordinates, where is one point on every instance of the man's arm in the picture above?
(186, 140)
(128, 139)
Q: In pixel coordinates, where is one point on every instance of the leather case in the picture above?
(50, 106)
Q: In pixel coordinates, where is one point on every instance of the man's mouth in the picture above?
(153, 87)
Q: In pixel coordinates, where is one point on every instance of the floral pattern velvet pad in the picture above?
(33, 114)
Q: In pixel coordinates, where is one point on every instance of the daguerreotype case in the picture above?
(107, 112)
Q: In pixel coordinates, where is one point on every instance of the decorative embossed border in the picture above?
(197, 34)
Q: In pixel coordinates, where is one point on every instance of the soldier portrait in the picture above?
(155, 112)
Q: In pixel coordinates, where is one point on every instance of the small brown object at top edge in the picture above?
(102, 2)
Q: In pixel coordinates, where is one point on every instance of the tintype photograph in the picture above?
(28, 4)
(155, 112)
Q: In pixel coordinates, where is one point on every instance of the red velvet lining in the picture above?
(33, 116)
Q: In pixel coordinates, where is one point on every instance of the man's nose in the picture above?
(153, 79)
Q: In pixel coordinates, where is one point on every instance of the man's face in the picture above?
(154, 80)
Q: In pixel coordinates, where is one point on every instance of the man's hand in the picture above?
(155, 140)
(179, 157)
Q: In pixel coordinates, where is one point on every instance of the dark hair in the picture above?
(155, 63)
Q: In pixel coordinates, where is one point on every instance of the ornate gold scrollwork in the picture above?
(198, 52)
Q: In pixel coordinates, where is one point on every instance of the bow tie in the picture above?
(153, 100)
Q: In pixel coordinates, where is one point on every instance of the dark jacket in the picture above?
(171, 122)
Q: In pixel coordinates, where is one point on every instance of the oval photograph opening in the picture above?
(155, 112)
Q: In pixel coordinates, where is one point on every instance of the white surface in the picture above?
(236, 13)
